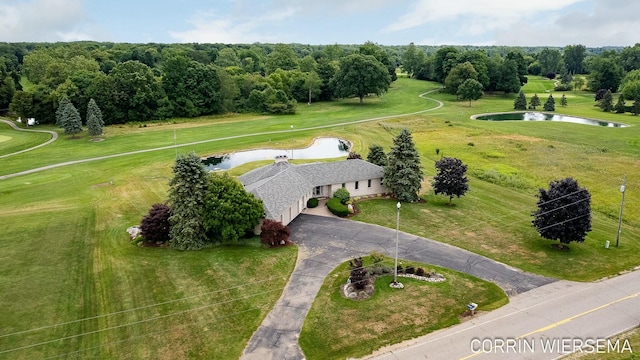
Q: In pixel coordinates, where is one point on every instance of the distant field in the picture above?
(65, 256)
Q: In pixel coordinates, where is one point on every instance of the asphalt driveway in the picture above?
(326, 242)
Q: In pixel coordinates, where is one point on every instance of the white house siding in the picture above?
(363, 188)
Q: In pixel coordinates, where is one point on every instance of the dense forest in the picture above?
(141, 82)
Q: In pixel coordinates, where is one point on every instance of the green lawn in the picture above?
(339, 328)
(65, 255)
(13, 141)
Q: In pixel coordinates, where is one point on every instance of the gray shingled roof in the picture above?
(281, 184)
(339, 172)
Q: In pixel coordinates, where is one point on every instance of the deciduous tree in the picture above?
(155, 226)
(403, 173)
(273, 232)
(361, 75)
(450, 178)
(459, 74)
(187, 192)
(229, 211)
(470, 90)
(564, 212)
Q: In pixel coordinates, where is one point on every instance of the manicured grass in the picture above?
(339, 328)
(12, 141)
(65, 257)
(402, 98)
(64, 253)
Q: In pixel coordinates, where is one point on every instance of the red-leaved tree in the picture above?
(273, 232)
(155, 226)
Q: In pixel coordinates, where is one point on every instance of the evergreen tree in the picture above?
(620, 108)
(450, 178)
(606, 103)
(564, 212)
(92, 108)
(636, 106)
(377, 156)
(60, 111)
(187, 193)
(550, 104)
(521, 102)
(563, 100)
(93, 125)
(71, 121)
(403, 174)
(534, 102)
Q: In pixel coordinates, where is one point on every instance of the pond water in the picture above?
(538, 116)
(322, 148)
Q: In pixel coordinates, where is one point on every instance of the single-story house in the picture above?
(285, 188)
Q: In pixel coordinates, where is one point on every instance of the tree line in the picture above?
(140, 82)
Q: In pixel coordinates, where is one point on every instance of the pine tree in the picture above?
(92, 108)
(550, 104)
(620, 108)
(534, 102)
(521, 102)
(187, 192)
(403, 174)
(71, 121)
(377, 156)
(563, 100)
(93, 125)
(636, 106)
(606, 103)
(60, 111)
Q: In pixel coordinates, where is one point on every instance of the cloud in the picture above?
(485, 14)
(211, 27)
(598, 24)
(43, 20)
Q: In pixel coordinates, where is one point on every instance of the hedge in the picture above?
(336, 207)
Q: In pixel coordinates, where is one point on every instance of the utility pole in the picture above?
(623, 187)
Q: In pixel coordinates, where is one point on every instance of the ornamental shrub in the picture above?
(337, 208)
(409, 270)
(313, 202)
(342, 194)
(420, 271)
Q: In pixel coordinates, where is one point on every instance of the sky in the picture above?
(592, 23)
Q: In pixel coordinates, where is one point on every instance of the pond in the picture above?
(322, 148)
(538, 116)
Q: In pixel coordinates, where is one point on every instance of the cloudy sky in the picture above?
(390, 22)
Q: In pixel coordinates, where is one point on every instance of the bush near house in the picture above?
(342, 194)
(313, 202)
(337, 208)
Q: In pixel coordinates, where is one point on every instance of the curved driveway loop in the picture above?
(326, 242)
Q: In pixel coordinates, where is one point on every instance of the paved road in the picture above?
(54, 137)
(326, 242)
(563, 314)
(53, 166)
